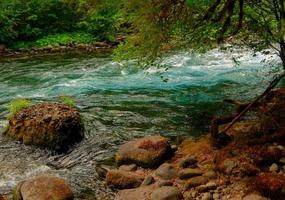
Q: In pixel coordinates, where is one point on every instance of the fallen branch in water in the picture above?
(221, 138)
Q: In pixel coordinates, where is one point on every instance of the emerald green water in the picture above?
(119, 103)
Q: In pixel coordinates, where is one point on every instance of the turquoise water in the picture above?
(121, 101)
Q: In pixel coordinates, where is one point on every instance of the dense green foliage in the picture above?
(56, 21)
(152, 27)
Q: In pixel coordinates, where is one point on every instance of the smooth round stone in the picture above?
(147, 152)
(166, 193)
(43, 188)
(166, 171)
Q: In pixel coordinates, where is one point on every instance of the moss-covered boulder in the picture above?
(52, 125)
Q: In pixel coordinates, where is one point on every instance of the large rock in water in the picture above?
(146, 152)
(43, 188)
(52, 125)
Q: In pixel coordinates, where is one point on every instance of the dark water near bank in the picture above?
(119, 103)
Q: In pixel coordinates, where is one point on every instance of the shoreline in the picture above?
(54, 50)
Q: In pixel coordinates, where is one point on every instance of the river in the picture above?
(121, 102)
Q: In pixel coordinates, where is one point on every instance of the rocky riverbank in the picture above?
(97, 46)
(251, 167)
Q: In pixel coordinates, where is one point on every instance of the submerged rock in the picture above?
(43, 188)
(52, 125)
(146, 152)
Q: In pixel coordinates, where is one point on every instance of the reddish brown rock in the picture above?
(43, 188)
(52, 125)
(123, 179)
(146, 152)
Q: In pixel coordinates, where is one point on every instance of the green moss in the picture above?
(18, 104)
(67, 100)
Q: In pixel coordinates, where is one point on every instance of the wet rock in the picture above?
(254, 197)
(146, 152)
(123, 180)
(188, 162)
(207, 196)
(166, 193)
(43, 188)
(207, 187)
(189, 173)
(196, 181)
(274, 168)
(52, 125)
(166, 171)
(140, 193)
(148, 181)
(132, 167)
